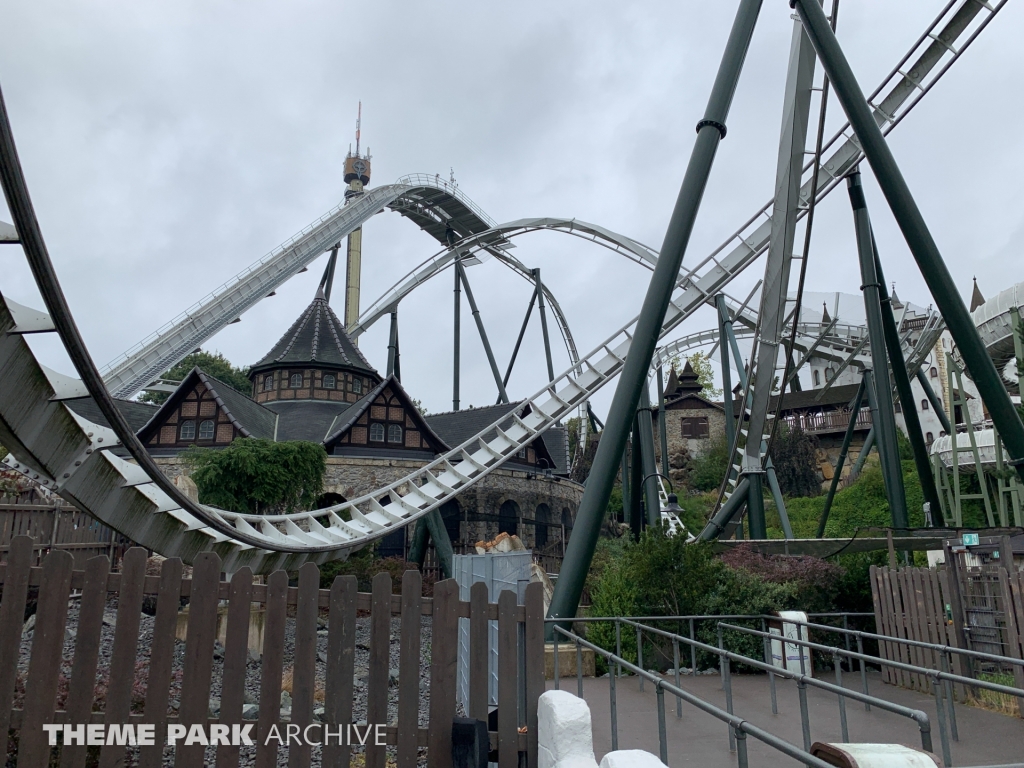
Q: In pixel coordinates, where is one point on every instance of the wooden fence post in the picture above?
(271, 668)
(380, 666)
(236, 657)
(508, 680)
(304, 662)
(443, 666)
(341, 648)
(87, 648)
(409, 669)
(534, 665)
(44, 665)
(12, 620)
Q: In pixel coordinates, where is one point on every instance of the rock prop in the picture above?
(501, 543)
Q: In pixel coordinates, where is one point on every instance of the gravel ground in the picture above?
(252, 682)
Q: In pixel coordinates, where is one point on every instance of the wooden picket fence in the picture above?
(56, 579)
(924, 604)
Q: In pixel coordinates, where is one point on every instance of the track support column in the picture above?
(710, 131)
(888, 447)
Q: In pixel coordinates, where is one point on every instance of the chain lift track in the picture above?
(71, 456)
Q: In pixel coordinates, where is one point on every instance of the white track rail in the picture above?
(67, 453)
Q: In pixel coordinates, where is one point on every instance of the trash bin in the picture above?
(790, 656)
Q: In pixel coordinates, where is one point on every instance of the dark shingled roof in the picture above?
(249, 415)
(556, 441)
(318, 336)
(838, 395)
(455, 427)
(311, 420)
(136, 414)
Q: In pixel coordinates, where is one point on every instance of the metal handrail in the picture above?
(933, 674)
(739, 728)
(919, 717)
(907, 641)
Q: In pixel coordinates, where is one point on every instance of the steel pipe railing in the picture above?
(739, 727)
(936, 676)
(803, 680)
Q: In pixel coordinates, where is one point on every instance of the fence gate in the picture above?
(102, 649)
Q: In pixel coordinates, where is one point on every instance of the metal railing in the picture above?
(802, 679)
(739, 728)
(936, 676)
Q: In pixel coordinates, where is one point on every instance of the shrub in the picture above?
(707, 469)
(796, 465)
(256, 475)
(364, 565)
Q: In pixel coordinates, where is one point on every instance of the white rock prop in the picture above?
(564, 733)
(631, 758)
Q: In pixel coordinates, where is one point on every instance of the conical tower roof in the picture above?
(317, 338)
(825, 317)
(976, 298)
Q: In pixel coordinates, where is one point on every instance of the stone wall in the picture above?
(674, 430)
(351, 477)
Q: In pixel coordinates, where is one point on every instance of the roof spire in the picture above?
(825, 317)
(359, 122)
(976, 298)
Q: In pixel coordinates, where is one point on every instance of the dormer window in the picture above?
(296, 380)
(376, 433)
(188, 430)
(394, 433)
(329, 381)
(206, 430)
(268, 382)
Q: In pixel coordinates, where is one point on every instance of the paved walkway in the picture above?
(698, 739)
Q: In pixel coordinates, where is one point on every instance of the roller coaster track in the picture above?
(72, 456)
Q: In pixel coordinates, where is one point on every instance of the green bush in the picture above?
(707, 470)
(796, 465)
(664, 576)
(255, 475)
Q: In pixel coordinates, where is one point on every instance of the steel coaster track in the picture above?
(70, 455)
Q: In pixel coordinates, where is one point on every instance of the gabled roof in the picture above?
(359, 407)
(249, 417)
(318, 336)
(680, 400)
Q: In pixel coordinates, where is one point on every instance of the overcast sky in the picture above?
(168, 145)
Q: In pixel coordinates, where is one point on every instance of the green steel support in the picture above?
(544, 324)
(869, 443)
(394, 366)
(418, 545)
(430, 528)
(723, 321)
(636, 481)
(755, 505)
(710, 131)
(327, 281)
(662, 425)
(652, 498)
(519, 341)
(915, 231)
(442, 544)
(780, 502)
(899, 373)
(937, 406)
(888, 447)
(717, 524)
(627, 498)
(847, 438)
(888, 452)
(483, 332)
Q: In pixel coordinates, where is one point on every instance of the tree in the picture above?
(213, 363)
(794, 454)
(701, 364)
(259, 476)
